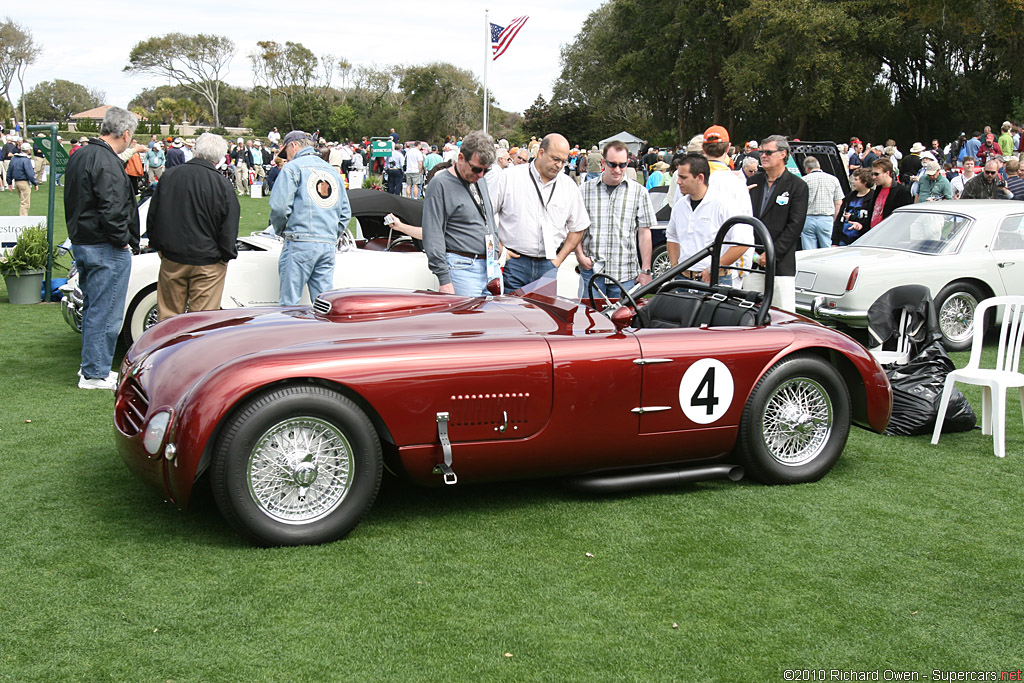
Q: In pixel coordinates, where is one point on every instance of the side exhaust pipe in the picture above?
(664, 478)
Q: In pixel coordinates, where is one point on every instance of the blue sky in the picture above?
(79, 45)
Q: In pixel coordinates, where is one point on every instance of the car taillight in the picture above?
(852, 282)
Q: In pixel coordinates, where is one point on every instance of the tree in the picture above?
(444, 100)
(301, 78)
(197, 62)
(57, 100)
(17, 51)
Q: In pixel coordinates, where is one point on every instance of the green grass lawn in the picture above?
(906, 556)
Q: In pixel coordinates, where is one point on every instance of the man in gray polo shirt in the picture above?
(459, 235)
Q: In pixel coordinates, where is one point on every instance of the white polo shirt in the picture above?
(693, 229)
(525, 225)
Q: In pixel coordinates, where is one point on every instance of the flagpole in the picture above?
(487, 55)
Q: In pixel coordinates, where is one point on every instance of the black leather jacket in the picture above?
(99, 201)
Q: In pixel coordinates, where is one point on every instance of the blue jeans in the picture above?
(603, 285)
(519, 272)
(817, 232)
(469, 276)
(103, 272)
(305, 264)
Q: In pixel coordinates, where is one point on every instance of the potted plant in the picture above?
(23, 266)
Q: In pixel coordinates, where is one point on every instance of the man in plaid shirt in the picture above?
(620, 209)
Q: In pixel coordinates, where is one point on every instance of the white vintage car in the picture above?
(252, 279)
(964, 251)
(388, 260)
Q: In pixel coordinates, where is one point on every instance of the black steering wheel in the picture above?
(625, 295)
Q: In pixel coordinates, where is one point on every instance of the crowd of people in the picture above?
(496, 217)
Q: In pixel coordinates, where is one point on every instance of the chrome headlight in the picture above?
(156, 428)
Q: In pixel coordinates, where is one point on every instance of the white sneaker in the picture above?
(109, 382)
(112, 376)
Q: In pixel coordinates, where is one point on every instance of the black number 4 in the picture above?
(709, 401)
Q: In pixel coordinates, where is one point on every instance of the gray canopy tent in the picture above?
(632, 142)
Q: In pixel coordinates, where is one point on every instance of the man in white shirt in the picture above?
(274, 137)
(413, 170)
(541, 215)
(696, 218)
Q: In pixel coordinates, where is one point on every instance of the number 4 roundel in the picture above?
(705, 392)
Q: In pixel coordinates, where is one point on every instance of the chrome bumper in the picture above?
(71, 306)
(817, 308)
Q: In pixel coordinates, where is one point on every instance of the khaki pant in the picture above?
(7, 171)
(199, 288)
(242, 178)
(38, 164)
(155, 174)
(24, 188)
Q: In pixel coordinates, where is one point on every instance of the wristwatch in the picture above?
(645, 271)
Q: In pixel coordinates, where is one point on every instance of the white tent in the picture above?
(632, 142)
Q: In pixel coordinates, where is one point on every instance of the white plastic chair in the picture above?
(994, 381)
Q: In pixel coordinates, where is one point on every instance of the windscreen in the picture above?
(919, 232)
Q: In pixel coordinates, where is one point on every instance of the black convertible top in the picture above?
(370, 207)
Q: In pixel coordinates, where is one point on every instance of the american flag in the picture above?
(501, 36)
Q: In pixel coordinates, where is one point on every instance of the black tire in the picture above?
(955, 305)
(660, 261)
(141, 315)
(259, 488)
(776, 445)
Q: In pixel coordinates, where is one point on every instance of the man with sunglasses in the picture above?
(986, 185)
(541, 213)
(889, 195)
(620, 212)
(459, 231)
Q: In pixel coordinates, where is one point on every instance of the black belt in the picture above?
(466, 254)
(535, 258)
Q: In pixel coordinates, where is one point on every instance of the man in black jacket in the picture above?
(779, 199)
(193, 223)
(889, 194)
(103, 224)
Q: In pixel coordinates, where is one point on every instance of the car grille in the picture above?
(132, 407)
(321, 307)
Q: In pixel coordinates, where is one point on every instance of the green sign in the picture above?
(60, 162)
(381, 147)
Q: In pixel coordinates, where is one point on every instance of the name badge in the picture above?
(782, 199)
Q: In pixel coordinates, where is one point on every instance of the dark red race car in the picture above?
(293, 413)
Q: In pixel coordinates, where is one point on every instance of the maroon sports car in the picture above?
(292, 413)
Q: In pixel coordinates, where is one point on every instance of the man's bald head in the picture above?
(552, 155)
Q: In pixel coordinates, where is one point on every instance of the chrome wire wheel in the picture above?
(300, 470)
(956, 317)
(797, 421)
(661, 263)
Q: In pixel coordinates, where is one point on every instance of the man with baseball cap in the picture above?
(309, 209)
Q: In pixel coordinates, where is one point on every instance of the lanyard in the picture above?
(539, 195)
(478, 200)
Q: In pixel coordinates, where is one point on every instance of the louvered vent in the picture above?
(470, 410)
(321, 307)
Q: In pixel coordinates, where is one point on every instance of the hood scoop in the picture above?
(345, 305)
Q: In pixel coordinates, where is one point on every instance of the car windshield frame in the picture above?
(909, 222)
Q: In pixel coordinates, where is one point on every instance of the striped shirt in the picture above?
(824, 191)
(616, 213)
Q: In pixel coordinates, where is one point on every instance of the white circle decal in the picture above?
(322, 187)
(705, 392)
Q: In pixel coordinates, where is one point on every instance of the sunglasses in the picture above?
(991, 172)
(612, 164)
(769, 152)
(476, 170)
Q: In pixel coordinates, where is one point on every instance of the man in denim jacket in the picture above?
(309, 209)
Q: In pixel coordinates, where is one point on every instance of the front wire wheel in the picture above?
(296, 465)
(796, 422)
